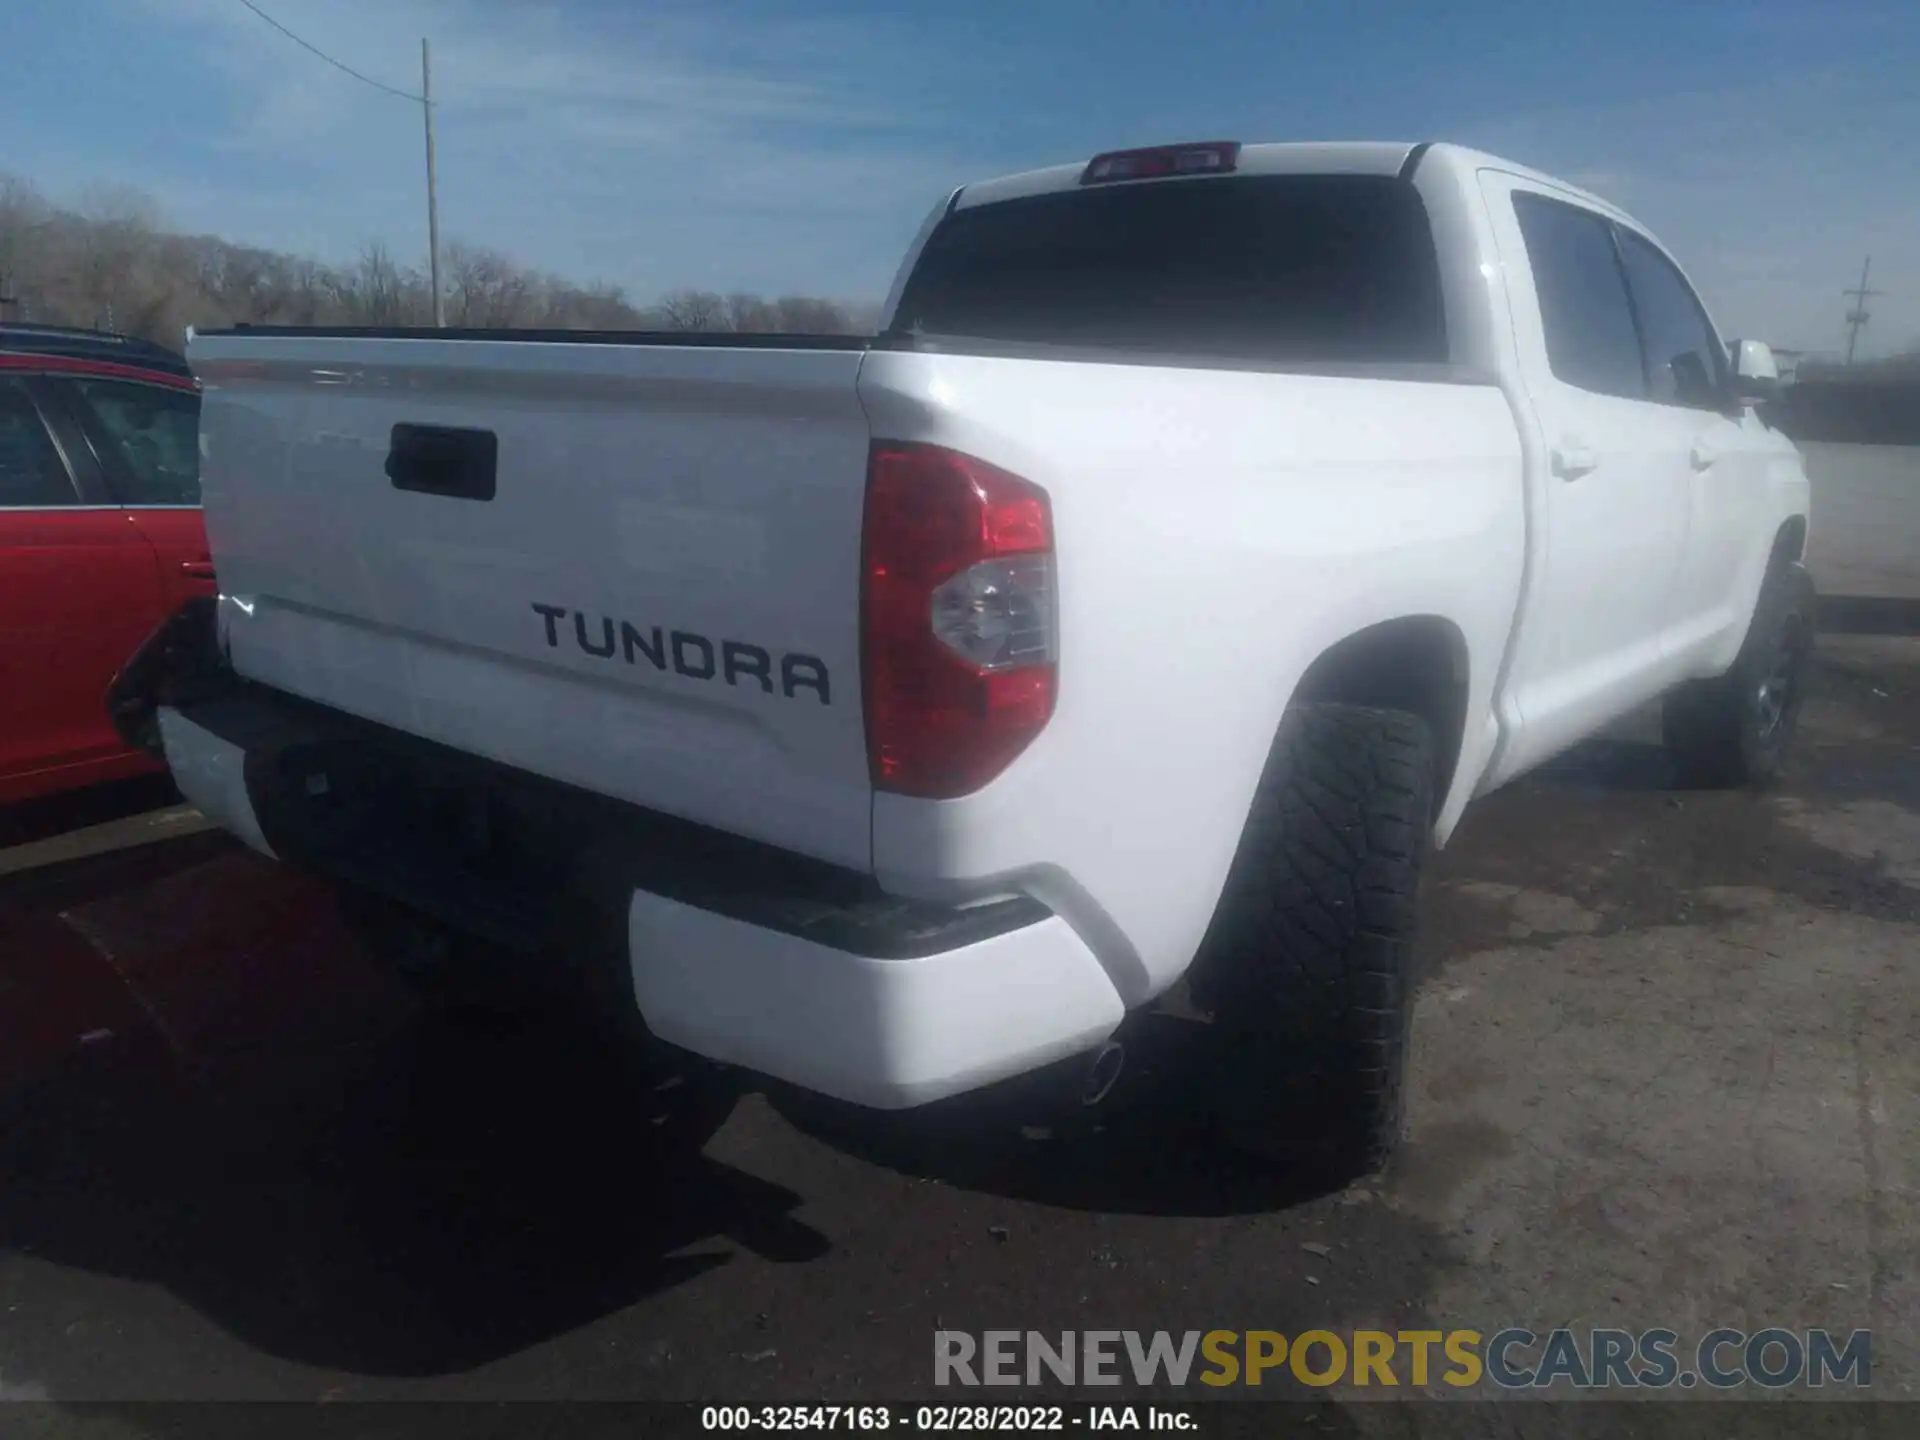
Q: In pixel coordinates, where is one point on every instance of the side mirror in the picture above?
(1756, 375)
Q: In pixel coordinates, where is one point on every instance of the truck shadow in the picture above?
(1611, 764)
(48, 815)
(1150, 1149)
(415, 1205)
(1627, 757)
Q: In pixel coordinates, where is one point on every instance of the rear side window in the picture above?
(1591, 339)
(1685, 362)
(154, 436)
(32, 474)
(1281, 268)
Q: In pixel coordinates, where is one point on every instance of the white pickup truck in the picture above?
(1207, 526)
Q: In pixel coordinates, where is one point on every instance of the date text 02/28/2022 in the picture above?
(938, 1419)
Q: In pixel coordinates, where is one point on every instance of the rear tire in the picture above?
(1309, 964)
(1737, 729)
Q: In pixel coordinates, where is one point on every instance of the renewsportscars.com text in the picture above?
(1513, 1358)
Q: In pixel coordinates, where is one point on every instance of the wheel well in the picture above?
(1417, 663)
(1790, 545)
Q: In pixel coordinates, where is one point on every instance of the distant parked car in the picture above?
(100, 539)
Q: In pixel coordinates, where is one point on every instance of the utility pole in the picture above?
(433, 202)
(1857, 317)
(425, 100)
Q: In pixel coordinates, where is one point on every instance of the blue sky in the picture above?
(794, 145)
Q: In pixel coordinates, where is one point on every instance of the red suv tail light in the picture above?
(959, 633)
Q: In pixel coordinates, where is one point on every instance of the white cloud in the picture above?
(653, 150)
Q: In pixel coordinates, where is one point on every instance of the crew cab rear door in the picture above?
(1593, 633)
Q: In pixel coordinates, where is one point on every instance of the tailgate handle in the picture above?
(443, 460)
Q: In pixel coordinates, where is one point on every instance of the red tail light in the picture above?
(959, 647)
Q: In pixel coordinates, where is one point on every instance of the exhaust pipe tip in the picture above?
(1102, 1073)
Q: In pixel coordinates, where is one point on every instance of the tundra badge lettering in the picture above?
(694, 656)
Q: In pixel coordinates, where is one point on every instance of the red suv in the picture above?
(100, 540)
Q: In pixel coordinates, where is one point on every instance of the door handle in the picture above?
(1571, 460)
(1704, 454)
(197, 569)
(443, 460)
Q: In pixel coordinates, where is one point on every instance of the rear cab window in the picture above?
(1281, 269)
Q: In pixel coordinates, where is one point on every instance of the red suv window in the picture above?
(32, 473)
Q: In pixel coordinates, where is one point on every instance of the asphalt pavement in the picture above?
(1664, 1074)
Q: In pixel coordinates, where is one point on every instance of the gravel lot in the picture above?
(1664, 1074)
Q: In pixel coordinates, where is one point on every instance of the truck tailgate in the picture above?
(632, 567)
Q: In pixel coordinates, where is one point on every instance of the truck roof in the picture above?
(1311, 157)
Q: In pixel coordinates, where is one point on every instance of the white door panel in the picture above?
(1723, 447)
(1726, 491)
(1592, 638)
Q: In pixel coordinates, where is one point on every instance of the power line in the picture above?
(316, 50)
(425, 101)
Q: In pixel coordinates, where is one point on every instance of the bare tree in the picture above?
(602, 307)
(487, 290)
(308, 292)
(693, 310)
(239, 280)
(24, 220)
(863, 319)
(799, 315)
(108, 250)
(109, 261)
(374, 292)
(749, 314)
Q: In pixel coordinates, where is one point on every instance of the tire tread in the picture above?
(1310, 956)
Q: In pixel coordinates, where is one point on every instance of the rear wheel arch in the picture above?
(1789, 543)
(1788, 550)
(1416, 663)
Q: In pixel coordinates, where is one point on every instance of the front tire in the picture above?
(1309, 964)
(1737, 729)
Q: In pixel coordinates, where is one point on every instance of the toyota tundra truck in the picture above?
(1204, 529)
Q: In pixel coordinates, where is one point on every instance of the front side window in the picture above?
(32, 474)
(154, 435)
(1591, 340)
(1686, 364)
